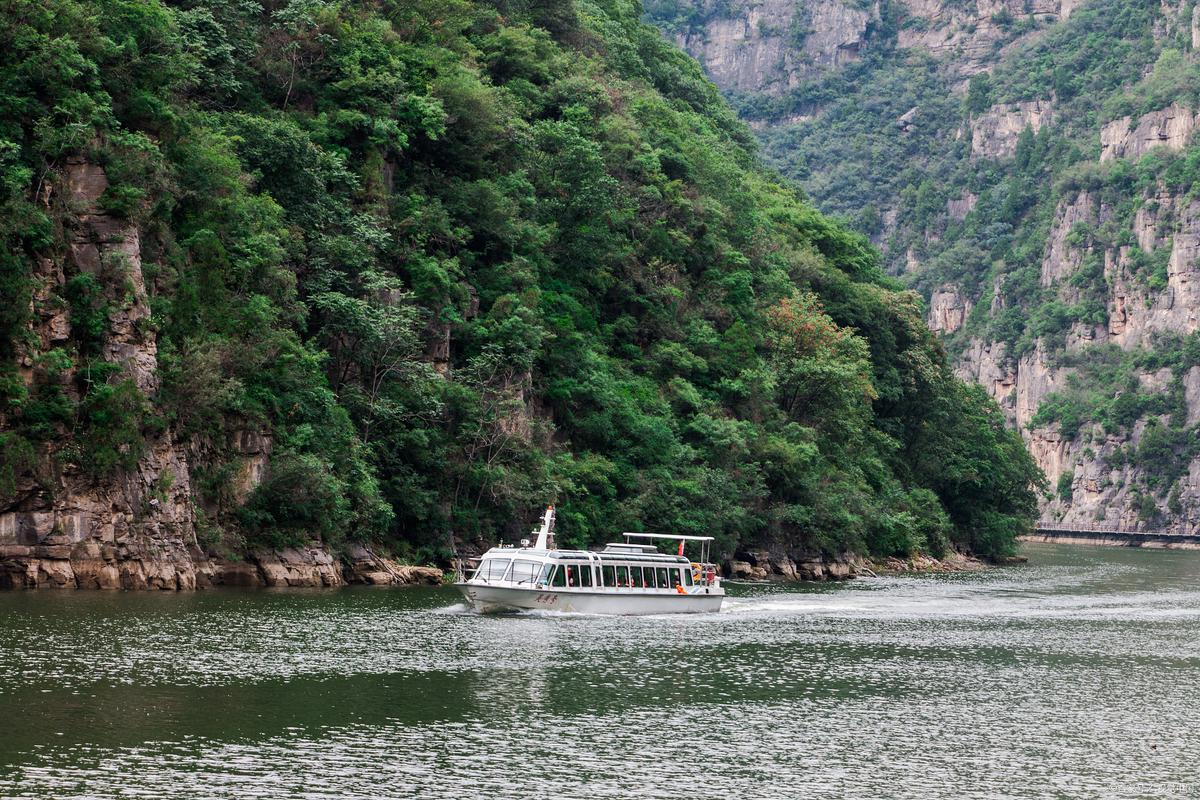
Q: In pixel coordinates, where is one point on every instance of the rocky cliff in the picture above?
(1095, 486)
(1065, 286)
(771, 45)
(994, 133)
(62, 526)
(967, 34)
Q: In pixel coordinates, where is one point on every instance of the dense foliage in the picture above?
(460, 259)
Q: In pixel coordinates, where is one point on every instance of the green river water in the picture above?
(1077, 675)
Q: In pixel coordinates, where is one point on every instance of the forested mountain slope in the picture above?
(396, 274)
(1029, 167)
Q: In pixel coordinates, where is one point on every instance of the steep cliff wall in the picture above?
(1128, 138)
(994, 134)
(1046, 214)
(65, 528)
(771, 45)
(967, 34)
(1096, 480)
(62, 525)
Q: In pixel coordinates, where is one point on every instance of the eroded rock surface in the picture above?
(968, 32)
(753, 47)
(994, 133)
(1170, 128)
(785, 564)
(61, 527)
(948, 309)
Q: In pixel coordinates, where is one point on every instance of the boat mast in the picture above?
(544, 533)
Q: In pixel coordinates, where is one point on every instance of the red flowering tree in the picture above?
(822, 370)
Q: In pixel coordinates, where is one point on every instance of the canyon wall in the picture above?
(1124, 267)
(770, 45)
(1087, 489)
(63, 527)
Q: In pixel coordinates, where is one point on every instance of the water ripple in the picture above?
(1073, 677)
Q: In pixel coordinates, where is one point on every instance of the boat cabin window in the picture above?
(609, 576)
(493, 569)
(623, 576)
(558, 576)
(664, 578)
(572, 571)
(687, 577)
(525, 571)
(648, 574)
(585, 575)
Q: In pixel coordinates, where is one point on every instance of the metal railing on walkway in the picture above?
(1064, 528)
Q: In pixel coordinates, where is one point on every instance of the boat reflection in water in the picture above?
(629, 577)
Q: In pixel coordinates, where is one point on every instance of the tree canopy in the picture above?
(460, 259)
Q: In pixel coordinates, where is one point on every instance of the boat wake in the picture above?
(785, 605)
(455, 610)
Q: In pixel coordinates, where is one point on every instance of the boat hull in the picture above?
(510, 598)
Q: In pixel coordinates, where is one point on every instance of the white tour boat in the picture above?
(623, 578)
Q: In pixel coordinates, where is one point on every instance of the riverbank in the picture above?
(951, 562)
(89, 565)
(768, 565)
(1144, 540)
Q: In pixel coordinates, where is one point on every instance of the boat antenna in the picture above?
(543, 533)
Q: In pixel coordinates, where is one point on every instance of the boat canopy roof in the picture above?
(613, 552)
(627, 550)
(673, 536)
(622, 547)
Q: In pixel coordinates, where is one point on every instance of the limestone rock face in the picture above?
(367, 566)
(298, 566)
(136, 528)
(779, 563)
(753, 48)
(1099, 494)
(1169, 128)
(1036, 378)
(959, 207)
(1062, 258)
(1134, 303)
(987, 364)
(769, 46)
(1137, 313)
(948, 309)
(994, 133)
(109, 249)
(969, 31)
(255, 448)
